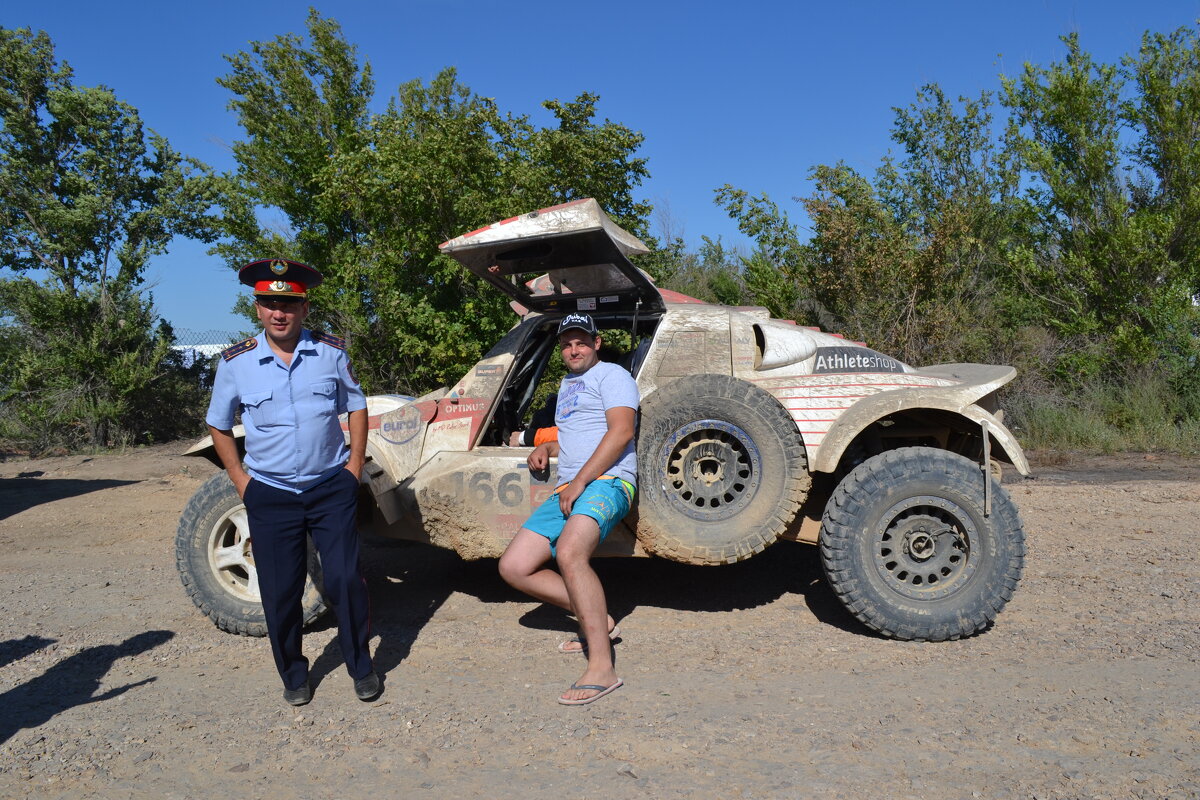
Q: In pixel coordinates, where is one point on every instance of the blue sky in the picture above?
(748, 93)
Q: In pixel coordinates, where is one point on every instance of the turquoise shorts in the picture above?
(605, 500)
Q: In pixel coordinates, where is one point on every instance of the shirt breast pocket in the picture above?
(325, 397)
(261, 409)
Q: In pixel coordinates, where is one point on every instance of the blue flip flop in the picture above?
(602, 690)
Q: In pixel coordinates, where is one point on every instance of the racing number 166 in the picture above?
(481, 487)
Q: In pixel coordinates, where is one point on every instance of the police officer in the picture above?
(300, 479)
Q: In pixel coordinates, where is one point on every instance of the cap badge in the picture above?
(279, 286)
(278, 267)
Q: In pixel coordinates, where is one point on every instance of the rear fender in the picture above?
(204, 448)
(377, 406)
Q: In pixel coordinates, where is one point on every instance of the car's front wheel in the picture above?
(910, 550)
(216, 565)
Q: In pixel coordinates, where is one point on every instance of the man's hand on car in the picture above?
(539, 459)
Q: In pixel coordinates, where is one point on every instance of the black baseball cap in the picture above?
(583, 322)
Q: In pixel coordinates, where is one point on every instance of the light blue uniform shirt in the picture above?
(294, 440)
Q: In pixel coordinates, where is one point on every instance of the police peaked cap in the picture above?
(279, 277)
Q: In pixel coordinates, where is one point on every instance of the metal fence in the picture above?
(198, 346)
(186, 337)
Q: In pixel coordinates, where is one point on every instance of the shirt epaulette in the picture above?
(329, 339)
(244, 346)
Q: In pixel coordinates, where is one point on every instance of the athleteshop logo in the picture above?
(853, 359)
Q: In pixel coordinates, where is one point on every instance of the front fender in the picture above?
(977, 381)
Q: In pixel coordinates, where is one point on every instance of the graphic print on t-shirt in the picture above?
(568, 399)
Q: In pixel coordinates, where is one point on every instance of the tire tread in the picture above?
(842, 529)
(691, 393)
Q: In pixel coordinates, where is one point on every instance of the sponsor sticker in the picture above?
(464, 407)
(853, 359)
(586, 304)
(611, 298)
(401, 425)
(489, 369)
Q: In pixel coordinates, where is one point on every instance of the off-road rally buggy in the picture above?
(751, 430)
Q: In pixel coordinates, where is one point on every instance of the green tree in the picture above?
(902, 262)
(381, 191)
(302, 108)
(774, 274)
(1166, 114)
(87, 197)
(713, 273)
(1102, 253)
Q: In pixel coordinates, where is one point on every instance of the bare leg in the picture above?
(586, 595)
(523, 566)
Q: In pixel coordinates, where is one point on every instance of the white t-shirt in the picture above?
(582, 401)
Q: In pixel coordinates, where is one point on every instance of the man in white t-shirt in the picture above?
(597, 470)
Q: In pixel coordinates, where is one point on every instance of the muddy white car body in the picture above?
(752, 429)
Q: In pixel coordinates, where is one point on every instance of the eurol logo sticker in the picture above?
(853, 359)
(400, 426)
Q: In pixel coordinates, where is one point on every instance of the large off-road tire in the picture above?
(212, 553)
(908, 550)
(722, 470)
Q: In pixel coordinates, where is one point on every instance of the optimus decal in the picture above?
(472, 409)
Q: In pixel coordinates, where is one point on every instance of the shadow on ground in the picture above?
(410, 582)
(22, 493)
(16, 649)
(69, 683)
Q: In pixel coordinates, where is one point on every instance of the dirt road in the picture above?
(741, 681)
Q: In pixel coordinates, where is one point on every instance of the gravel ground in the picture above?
(741, 681)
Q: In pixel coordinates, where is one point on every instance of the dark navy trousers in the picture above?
(280, 523)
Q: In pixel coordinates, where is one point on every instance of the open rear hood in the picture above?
(569, 257)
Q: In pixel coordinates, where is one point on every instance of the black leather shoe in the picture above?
(298, 697)
(368, 687)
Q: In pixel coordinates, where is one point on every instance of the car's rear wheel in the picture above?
(722, 470)
(212, 554)
(909, 550)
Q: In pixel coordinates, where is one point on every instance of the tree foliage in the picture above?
(90, 369)
(713, 273)
(905, 261)
(1067, 240)
(87, 197)
(368, 197)
(1104, 262)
